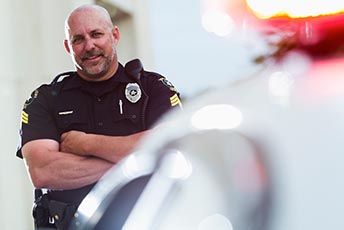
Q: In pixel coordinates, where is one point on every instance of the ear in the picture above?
(116, 34)
(66, 45)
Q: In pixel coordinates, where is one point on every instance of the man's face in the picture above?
(92, 44)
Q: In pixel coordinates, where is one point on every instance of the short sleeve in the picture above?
(37, 120)
(163, 97)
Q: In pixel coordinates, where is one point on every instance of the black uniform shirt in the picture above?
(108, 107)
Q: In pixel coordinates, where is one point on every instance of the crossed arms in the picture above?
(79, 160)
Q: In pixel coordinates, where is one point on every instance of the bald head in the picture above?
(88, 11)
(91, 40)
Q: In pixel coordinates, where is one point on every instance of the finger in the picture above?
(64, 136)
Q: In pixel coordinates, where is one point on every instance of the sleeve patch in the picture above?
(30, 100)
(25, 117)
(175, 101)
(168, 84)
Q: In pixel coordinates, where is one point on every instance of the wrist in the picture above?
(86, 144)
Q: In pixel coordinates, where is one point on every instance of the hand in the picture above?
(74, 142)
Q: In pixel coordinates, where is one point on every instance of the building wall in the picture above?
(135, 32)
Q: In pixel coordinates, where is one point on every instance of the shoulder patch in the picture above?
(167, 83)
(33, 96)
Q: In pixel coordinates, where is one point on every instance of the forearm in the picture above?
(50, 168)
(109, 148)
(72, 171)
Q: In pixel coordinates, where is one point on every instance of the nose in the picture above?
(89, 44)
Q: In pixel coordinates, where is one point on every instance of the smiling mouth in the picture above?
(91, 55)
(91, 58)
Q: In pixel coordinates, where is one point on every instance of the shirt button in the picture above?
(99, 99)
(133, 116)
(100, 123)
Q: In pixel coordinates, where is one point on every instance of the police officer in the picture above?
(77, 127)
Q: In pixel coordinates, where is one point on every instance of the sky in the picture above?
(192, 58)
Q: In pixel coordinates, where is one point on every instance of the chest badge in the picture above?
(133, 92)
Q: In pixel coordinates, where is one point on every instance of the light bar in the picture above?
(265, 9)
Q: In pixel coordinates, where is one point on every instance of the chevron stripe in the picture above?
(25, 117)
(175, 100)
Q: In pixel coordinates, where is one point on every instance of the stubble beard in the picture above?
(99, 69)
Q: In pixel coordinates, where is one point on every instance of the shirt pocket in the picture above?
(71, 119)
(132, 115)
(128, 119)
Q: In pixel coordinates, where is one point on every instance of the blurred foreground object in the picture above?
(264, 153)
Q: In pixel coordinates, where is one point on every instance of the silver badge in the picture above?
(133, 92)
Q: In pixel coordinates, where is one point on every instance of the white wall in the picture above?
(14, 193)
(135, 41)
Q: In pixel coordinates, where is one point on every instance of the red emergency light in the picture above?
(317, 25)
(265, 9)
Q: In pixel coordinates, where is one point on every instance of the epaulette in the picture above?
(62, 76)
(134, 69)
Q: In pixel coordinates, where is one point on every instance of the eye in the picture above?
(76, 40)
(97, 34)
